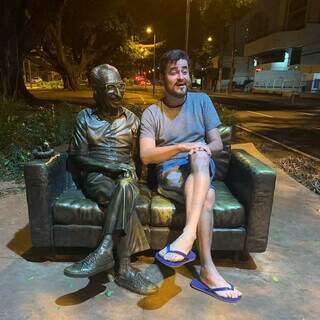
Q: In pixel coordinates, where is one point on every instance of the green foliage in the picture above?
(226, 114)
(220, 15)
(55, 84)
(22, 128)
(136, 109)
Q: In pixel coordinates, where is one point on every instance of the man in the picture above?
(179, 134)
(102, 149)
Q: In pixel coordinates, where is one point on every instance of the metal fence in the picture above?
(287, 85)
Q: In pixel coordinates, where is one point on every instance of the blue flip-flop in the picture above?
(191, 256)
(213, 292)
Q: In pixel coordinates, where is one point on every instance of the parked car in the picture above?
(35, 80)
(141, 80)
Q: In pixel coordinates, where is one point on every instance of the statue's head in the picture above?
(108, 87)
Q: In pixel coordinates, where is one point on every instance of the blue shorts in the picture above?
(173, 174)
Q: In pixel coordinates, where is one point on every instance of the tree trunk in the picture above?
(11, 58)
(19, 33)
(71, 79)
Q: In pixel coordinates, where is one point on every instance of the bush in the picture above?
(23, 127)
(226, 114)
(54, 84)
(303, 170)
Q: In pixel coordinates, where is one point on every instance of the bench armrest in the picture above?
(252, 183)
(45, 181)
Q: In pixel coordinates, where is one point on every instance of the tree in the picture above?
(220, 17)
(21, 29)
(80, 37)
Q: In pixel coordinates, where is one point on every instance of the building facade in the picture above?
(282, 39)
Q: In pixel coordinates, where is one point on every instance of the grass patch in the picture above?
(226, 114)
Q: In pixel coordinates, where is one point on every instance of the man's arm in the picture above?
(214, 145)
(214, 141)
(150, 153)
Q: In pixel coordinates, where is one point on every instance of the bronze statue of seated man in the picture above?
(102, 150)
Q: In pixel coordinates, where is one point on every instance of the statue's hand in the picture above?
(120, 169)
(126, 170)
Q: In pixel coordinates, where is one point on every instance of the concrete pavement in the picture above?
(281, 284)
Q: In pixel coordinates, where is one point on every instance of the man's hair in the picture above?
(172, 56)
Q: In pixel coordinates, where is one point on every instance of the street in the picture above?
(293, 126)
(298, 128)
(133, 95)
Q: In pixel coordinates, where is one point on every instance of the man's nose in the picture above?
(180, 75)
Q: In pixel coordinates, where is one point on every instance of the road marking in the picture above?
(141, 97)
(279, 143)
(261, 114)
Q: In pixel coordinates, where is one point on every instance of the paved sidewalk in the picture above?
(281, 284)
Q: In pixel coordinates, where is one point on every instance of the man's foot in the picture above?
(211, 277)
(183, 244)
(97, 261)
(135, 282)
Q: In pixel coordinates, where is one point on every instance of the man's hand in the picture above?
(193, 147)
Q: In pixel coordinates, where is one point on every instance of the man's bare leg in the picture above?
(208, 272)
(196, 188)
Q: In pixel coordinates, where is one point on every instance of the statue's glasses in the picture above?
(115, 87)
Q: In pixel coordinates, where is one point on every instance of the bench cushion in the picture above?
(228, 212)
(72, 207)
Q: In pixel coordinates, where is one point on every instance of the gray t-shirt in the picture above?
(188, 123)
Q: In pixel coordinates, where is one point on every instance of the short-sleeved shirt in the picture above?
(102, 140)
(188, 123)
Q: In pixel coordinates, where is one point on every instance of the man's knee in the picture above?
(199, 161)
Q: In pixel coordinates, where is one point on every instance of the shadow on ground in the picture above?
(95, 286)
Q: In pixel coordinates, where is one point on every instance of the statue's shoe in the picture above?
(89, 266)
(97, 261)
(135, 282)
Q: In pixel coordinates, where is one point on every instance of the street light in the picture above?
(149, 31)
(187, 25)
(209, 39)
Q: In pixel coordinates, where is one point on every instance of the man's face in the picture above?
(177, 78)
(111, 94)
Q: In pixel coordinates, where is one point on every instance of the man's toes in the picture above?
(173, 257)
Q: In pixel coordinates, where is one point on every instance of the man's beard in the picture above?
(177, 93)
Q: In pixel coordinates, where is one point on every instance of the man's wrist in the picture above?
(179, 147)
